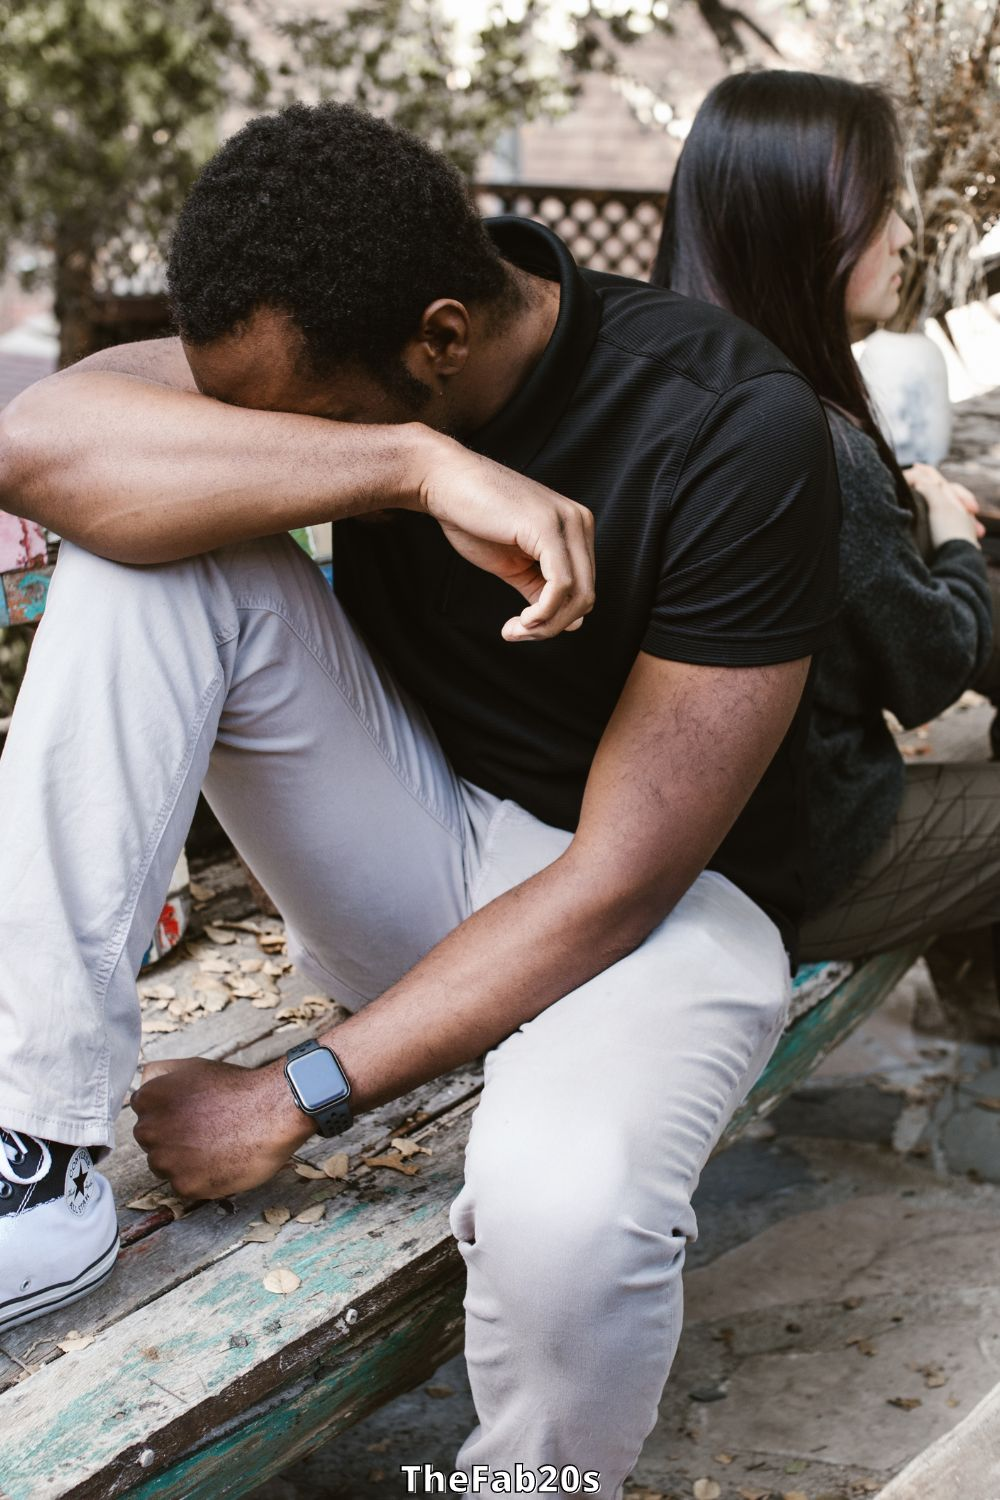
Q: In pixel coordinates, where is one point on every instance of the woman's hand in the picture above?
(951, 508)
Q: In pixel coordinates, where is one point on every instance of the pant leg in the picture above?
(596, 1119)
(325, 775)
(938, 871)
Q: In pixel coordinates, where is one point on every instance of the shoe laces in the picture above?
(15, 1150)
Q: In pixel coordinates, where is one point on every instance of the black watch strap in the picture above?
(336, 1117)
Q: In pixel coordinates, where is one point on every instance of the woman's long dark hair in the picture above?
(783, 182)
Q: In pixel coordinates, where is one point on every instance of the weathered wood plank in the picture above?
(173, 1252)
(425, 1328)
(209, 1349)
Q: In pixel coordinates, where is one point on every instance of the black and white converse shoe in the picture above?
(58, 1226)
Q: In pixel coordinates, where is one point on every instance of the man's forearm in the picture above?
(144, 473)
(501, 967)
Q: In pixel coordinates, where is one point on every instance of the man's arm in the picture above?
(678, 761)
(123, 455)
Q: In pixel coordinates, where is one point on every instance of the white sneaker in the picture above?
(58, 1226)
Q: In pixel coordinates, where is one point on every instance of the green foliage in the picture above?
(107, 109)
(940, 59)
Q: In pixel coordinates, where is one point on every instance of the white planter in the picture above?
(907, 378)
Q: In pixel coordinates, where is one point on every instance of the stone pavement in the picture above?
(843, 1306)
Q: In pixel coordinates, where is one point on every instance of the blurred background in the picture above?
(571, 111)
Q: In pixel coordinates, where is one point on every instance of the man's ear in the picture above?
(441, 348)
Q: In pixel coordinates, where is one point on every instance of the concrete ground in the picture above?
(842, 1301)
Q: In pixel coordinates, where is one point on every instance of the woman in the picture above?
(782, 210)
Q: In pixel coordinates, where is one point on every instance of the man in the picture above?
(567, 837)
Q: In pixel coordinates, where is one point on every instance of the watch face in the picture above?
(318, 1079)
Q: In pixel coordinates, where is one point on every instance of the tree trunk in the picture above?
(74, 295)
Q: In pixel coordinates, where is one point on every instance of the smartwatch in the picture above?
(319, 1087)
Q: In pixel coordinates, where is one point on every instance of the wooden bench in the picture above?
(189, 1376)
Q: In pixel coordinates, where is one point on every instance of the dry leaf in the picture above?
(216, 965)
(200, 892)
(216, 1000)
(905, 1403)
(243, 986)
(74, 1341)
(336, 1165)
(220, 935)
(208, 984)
(439, 1392)
(271, 942)
(277, 1214)
(396, 1163)
(406, 1147)
(755, 1494)
(987, 1103)
(306, 1169)
(261, 1234)
(158, 992)
(282, 1281)
(311, 1215)
(146, 1202)
(794, 1495)
(264, 1002)
(251, 965)
(158, 1024)
(723, 1458)
(706, 1489)
(182, 1006)
(275, 967)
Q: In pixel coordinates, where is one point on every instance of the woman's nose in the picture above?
(902, 234)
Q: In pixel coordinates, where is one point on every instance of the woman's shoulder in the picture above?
(861, 470)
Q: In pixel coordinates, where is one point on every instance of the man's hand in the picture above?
(122, 455)
(213, 1129)
(529, 536)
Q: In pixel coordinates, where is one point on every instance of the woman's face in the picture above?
(873, 288)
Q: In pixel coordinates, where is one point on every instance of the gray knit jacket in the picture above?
(911, 637)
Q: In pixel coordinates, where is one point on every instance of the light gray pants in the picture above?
(241, 670)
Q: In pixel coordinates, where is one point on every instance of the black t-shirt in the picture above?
(706, 460)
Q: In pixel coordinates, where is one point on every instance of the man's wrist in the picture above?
(422, 450)
(291, 1124)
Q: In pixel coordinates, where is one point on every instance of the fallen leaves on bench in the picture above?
(395, 1163)
(73, 1341)
(406, 1147)
(161, 1198)
(310, 1215)
(261, 1234)
(282, 1281)
(220, 935)
(335, 1166)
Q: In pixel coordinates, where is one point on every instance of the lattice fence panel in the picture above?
(606, 229)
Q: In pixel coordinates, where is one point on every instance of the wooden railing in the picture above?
(608, 229)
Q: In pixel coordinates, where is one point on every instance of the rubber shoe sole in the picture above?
(35, 1304)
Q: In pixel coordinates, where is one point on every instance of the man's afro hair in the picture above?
(349, 224)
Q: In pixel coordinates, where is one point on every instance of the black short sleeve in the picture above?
(748, 573)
